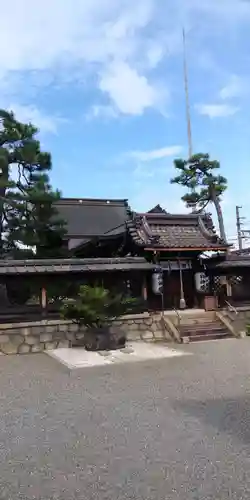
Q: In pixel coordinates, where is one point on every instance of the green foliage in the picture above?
(198, 175)
(37, 225)
(27, 211)
(97, 307)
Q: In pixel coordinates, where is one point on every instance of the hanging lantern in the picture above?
(201, 282)
(157, 281)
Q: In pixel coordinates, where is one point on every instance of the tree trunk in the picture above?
(2, 196)
(219, 216)
(4, 177)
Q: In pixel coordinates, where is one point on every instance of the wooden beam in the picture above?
(206, 249)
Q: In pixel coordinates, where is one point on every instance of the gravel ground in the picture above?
(171, 429)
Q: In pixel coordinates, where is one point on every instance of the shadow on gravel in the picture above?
(226, 415)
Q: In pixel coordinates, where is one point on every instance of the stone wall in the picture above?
(240, 320)
(147, 327)
(38, 336)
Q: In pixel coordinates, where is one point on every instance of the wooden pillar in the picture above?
(144, 288)
(229, 288)
(44, 300)
(182, 297)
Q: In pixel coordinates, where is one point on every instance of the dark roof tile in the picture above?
(229, 263)
(88, 218)
(157, 210)
(15, 267)
(158, 230)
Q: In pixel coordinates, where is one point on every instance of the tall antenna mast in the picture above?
(189, 130)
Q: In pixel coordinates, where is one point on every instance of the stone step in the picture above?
(215, 331)
(210, 336)
(205, 335)
(191, 319)
(200, 319)
(202, 328)
(206, 331)
(193, 327)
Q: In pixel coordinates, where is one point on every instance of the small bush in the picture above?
(96, 307)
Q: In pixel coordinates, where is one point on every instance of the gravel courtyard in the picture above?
(167, 429)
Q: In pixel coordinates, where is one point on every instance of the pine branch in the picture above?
(27, 205)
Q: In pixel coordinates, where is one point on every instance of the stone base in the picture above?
(101, 340)
(39, 336)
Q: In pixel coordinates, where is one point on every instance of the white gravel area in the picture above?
(134, 351)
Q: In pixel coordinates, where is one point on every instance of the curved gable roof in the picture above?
(178, 231)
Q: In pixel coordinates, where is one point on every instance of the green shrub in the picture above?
(96, 307)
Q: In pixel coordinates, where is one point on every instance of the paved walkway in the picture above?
(175, 429)
(135, 351)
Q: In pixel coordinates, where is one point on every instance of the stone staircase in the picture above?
(194, 326)
(209, 331)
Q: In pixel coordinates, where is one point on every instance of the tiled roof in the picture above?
(155, 230)
(90, 218)
(102, 218)
(232, 260)
(233, 264)
(243, 251)
(15, 267)
(157, 210)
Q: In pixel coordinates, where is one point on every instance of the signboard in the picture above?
(175, 265)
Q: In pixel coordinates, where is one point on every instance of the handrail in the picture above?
(178, 316)
(231, 308)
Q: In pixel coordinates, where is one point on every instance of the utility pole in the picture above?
(243, 234)
(238, 226)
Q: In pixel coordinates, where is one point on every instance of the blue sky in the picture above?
(103, 81)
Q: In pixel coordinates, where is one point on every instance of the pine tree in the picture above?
(198, 175)
(27, 212)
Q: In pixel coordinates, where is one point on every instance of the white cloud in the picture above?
(99, 34)
(101, 111)
(217, 110)
(155, 154)
(130, 92)
(121, 42)
(149, 163)
(45, 123)
(236, 87)
(94, 30)
(155, 54)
